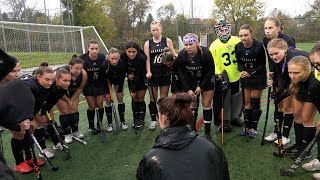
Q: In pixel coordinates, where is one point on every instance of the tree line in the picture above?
(118, 21)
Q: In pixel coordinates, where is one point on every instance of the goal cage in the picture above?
(34, 43)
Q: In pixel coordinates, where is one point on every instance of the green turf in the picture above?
(118, 157)
(305, 46)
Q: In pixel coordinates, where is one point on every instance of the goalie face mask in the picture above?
(223, 30)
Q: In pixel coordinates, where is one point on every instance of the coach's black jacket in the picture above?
(16, 104)
(179, 153)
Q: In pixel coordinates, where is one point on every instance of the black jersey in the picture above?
(158, 69)
(40, 94)
(281, 69)
(291, 44)
(252, 59)
(117, 74)
(197, 68)
(314, 89)
(136, 67)
(54, 96)
(95, 69)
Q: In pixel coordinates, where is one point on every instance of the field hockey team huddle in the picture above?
(228, 77)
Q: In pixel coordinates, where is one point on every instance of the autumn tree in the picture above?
(238, 12)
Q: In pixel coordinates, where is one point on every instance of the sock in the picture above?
(101, 112)
(287, 124)
(74, 121)
(108, 110)
(153, 111)
(308, 135)
(121, 110)
(298, 131)
(17, 147)
(90, 115)
(248, 118)
(65, 123)
(207, 116)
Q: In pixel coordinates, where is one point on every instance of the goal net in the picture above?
(34, 43)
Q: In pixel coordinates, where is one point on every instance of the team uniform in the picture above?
(96, 85)
(137, 68)
(116, 75)
(291, 44)
(253, 61)
(160, 74)
(197, 71)
(283, 81)
(225, 60)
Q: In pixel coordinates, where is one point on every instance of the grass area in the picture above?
(34, 59)
(119, 156)
(305, 46)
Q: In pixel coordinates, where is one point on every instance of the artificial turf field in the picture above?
(119, 156)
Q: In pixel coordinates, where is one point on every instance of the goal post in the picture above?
(33, 43)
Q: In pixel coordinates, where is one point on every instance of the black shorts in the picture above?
(255, 83)
(304, 96)
(88, 91)
(140, 85)
(176, 85)
(159, 81)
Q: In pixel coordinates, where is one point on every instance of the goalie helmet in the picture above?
(223, 30)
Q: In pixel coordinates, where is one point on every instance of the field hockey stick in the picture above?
(103, 134)
(130, 84)
(67, 154)
(267, 116)
(78, 139)
(244, 112)
(116, 121)
(34, 157)
(280, 144)
(34, 140)
(195, 109)
(297, 162)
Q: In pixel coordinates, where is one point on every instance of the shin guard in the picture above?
(65, 121)
(74, 121)
(90, 115)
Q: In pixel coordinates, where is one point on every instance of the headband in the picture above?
(188, 39)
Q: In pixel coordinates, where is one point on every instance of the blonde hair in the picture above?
(278, 43)
(303, 62)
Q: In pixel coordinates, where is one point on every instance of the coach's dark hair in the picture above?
(44, 68)
(61, 71)
(275, 20)
(315, 49)
(247, 27)
(177, 109)
(303, 62)
(75, 60)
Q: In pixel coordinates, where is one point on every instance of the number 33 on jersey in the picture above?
(225, 58)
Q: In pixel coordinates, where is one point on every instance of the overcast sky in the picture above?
(202, 8)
